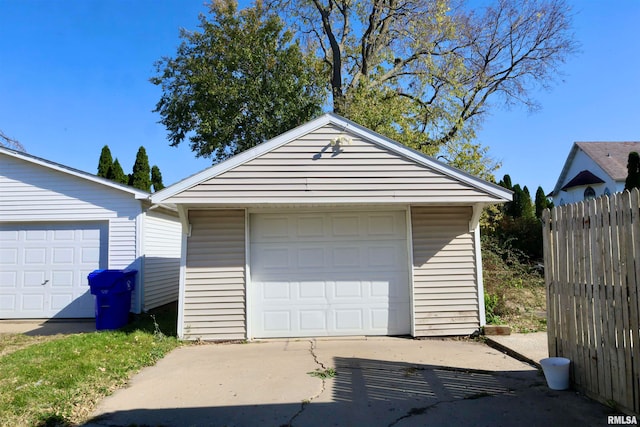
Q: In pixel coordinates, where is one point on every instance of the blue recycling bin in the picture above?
(112, 289)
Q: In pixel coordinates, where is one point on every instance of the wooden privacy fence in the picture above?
(592, 273)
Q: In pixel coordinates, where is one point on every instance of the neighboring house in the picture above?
(330, 229)
(58, 224)
(593, 169)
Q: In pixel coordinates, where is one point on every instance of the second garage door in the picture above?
(44, 268)
(329, 274)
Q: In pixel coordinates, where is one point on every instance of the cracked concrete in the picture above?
(303, 405)
(379, 382)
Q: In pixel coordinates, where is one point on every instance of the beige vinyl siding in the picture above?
(311, 170)
(162, 243)
(214, 289)
(444, 272)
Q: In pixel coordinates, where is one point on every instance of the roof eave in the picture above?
(138, 194)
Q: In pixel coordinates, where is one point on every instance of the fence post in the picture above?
(549, 268)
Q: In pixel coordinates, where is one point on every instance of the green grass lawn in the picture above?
(59, 380)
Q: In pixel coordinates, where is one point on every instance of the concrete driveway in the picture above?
(378, 382)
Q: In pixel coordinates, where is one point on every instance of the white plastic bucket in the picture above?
(556, 371)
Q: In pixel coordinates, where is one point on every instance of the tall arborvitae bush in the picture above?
(141, 175)
(105, 162)
(156, 178)
(117, 174)
(633, 171)
(542, 202)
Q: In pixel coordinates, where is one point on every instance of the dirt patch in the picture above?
(13, 342)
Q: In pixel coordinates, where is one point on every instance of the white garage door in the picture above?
(319, 274)
(44, 268)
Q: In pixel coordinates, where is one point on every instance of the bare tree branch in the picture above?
(442, 61)
(9, 142)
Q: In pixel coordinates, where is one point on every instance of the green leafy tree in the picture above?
(470, 157)
(436, 67)
(141, 175)
(105, 162)
(156, 178)
(542, 202)
(116, 173)
(633, 171)
(236, 82)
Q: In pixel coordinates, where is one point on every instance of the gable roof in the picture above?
(486, 187)
(138, 194)
(610, 156)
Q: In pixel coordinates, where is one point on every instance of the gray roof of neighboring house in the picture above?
(611, 156)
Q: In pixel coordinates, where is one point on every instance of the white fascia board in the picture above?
(138, 194)
(565, 168)
(336, 201)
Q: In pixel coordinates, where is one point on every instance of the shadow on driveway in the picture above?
(374, 392)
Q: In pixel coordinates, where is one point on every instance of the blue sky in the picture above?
(74, 76)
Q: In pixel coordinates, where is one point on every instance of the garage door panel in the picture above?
(62, 279)
(8, 256)
(59, 235)
(60, 301)
(343, 226)
(277, 291)
(349, 290)
(274, 258)
(276, 320)
(35, 256)
(330, 276)
(349, 320)
(310, 227)
(90, 255)
(8, 279)
(45, 268)
(312, 291)
(63, 255)
(33, 279)
(35, 235)
(33, 302)
(314, 321)
(308, 258)
(7, 303)
(379, 225)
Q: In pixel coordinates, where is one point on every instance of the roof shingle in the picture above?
(611, 156)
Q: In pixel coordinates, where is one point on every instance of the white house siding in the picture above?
(31, 193)
(582, 162)
(445, 292)
(162, 237)
(311, 170)
(214, 288)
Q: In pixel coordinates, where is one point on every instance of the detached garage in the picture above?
(58, 224)
(330, 230)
